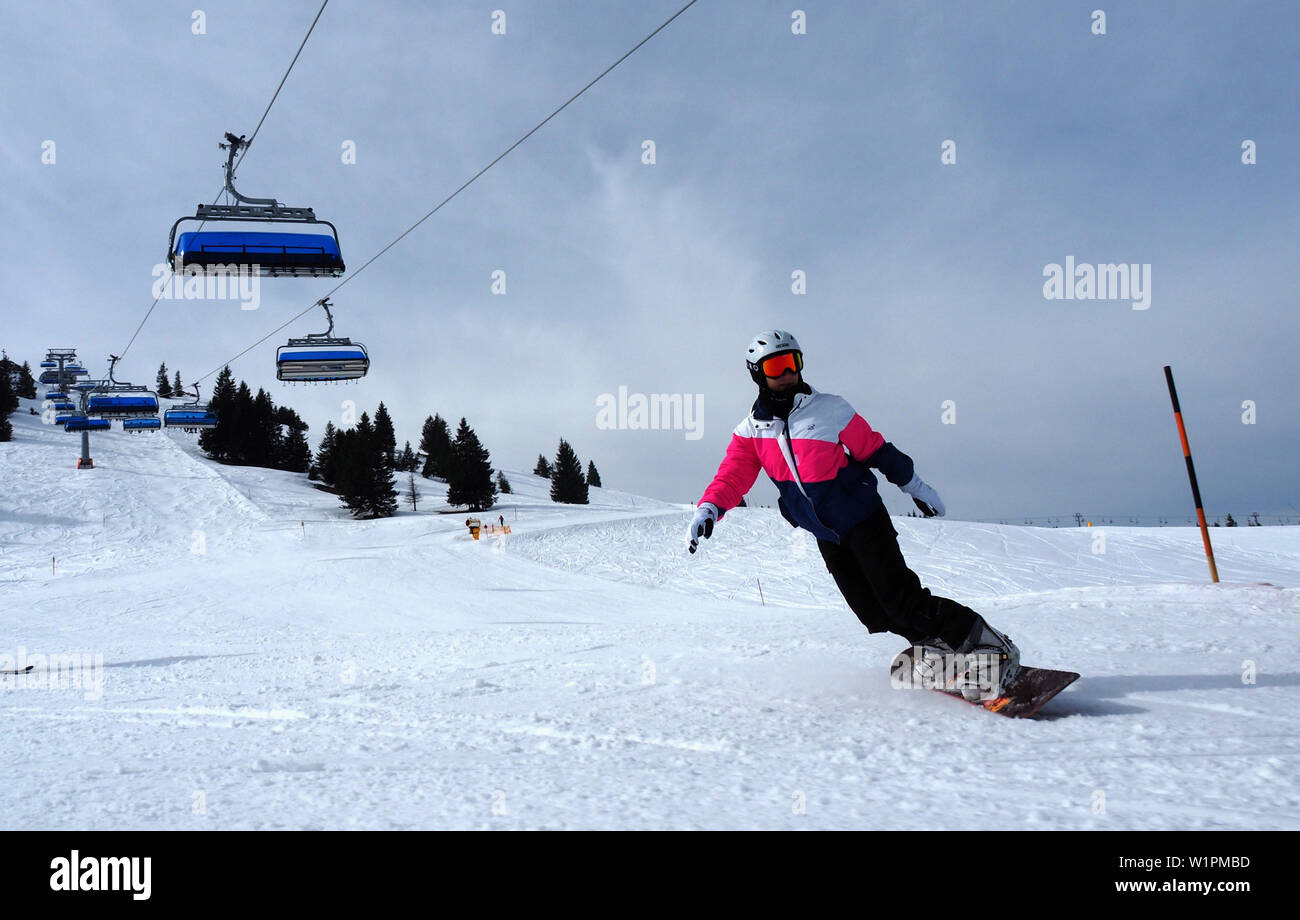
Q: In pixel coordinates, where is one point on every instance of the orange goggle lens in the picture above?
(779, 364)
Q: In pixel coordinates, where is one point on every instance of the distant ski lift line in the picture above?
(465, 185)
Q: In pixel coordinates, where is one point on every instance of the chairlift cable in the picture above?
(282, 79)
(467, 183)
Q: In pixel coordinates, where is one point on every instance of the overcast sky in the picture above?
(775, 153)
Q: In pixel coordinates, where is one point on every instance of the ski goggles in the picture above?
(777, 365)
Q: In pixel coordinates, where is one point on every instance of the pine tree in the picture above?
(470, 480)
(359, 464)
(8, 395)
(383, 497)
(164, 385)
(387, 438)
(567, 484)
(26, 382)
(243, 418)
(218, 442)
(593, 477)
(178, 388)
(406, 459)
(503, 484)
(294, 452)
(412, 493)
(435, 444)
(348, 463)
(543, 467)
(426, 439)
(372, 476)
(323, 468)
(264, 435)
(8, 402)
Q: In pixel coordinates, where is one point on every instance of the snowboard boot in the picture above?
(931, 664)
(988, 664)
(981, 667)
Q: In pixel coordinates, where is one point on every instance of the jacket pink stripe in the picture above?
(817, 460)
(736, 475)
(858, 437)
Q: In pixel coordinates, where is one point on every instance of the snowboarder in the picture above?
(818, 452)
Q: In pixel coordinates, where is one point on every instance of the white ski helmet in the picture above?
(765, 345)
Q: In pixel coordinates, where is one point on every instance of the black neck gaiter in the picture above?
(780, 404)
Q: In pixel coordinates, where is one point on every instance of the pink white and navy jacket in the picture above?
(819, 459)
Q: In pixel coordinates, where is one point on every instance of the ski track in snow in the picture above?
(268, 663)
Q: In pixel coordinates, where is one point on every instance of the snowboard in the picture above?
(16, 671)
(1031, 689)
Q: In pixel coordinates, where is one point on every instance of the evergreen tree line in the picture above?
(9, 384)
(359, 464)
(462, 462)
(16, 382)
(169, 389)
(568, 484)
(19, 378)
(252, 430)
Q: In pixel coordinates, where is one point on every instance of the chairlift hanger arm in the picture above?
(328, 333)
(233, 144)
(248, 208)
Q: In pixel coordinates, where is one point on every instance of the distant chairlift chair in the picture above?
(122, 400)
(191, 416)
(321, 357)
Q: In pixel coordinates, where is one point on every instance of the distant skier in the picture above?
(818, 452)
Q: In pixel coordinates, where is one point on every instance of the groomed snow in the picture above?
(269, 663)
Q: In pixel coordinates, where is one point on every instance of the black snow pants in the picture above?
(886, 595)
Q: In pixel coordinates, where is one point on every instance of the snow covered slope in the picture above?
(236, 652)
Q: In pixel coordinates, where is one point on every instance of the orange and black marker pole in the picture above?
(1191, 474)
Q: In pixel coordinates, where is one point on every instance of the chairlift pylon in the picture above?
(271, 253)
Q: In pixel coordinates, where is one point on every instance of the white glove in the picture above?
(925, 497)
(702, 524)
